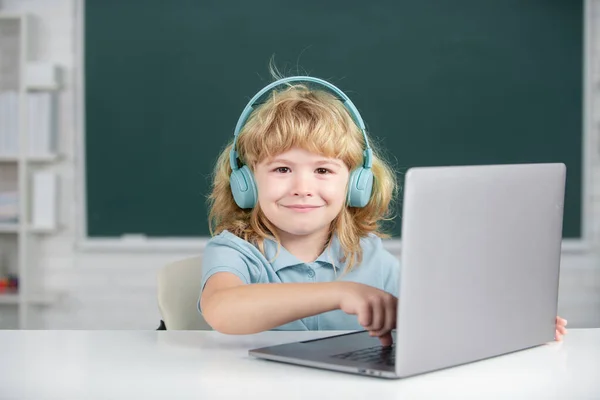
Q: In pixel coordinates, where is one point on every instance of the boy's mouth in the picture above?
(301, 207)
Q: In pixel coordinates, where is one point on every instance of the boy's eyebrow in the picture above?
(329, 162)
(279, 160)
(320, 162)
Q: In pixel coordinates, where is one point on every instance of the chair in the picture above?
(178, 293)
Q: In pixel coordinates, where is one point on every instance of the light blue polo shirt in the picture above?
(229, 253)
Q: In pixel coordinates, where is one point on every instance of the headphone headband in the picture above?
(233, 156)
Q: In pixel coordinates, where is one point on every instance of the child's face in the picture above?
(301, 192)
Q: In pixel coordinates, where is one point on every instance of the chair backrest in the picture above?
(178, 294)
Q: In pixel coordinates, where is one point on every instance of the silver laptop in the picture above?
(479, 273)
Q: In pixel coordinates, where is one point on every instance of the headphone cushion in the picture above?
(243, 187)
(360, 187)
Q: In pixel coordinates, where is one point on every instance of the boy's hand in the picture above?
(374, 308)
(560, 328)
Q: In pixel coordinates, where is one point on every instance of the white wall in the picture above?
(117, 290)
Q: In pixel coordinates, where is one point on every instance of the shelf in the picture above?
(31, 88)
(9, 297)
(41, 230)
(4, 16)
(14, 228)
(42, 88)
(5, 227)
(41, 298)
(46, 158)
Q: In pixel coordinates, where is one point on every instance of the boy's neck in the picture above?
(305, 248)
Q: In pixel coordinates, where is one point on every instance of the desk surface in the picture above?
(208, 365)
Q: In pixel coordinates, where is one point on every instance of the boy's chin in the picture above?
(302, 232)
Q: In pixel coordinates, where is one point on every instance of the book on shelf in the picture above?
(44, 200)
(40, 125)
(9, 207)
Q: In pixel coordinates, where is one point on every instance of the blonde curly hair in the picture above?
(316, 121)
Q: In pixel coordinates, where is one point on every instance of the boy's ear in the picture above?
(243, 188)
(360, 187)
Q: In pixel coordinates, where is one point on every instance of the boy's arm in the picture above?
(232, 307)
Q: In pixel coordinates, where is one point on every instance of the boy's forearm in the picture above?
(259, 307)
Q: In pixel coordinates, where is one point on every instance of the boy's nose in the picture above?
(302, 186)
(302, 193)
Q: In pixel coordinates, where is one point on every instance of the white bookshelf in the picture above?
(20, 162)
(33, 159)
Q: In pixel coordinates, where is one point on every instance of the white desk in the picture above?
(208, 365)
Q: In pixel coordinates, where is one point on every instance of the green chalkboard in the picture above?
(437, 83)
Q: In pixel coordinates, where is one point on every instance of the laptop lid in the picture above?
(480, 262)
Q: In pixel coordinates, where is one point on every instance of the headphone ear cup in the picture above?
(360, 187)
(243, 187)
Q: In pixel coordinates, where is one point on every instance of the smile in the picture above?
(302, 208)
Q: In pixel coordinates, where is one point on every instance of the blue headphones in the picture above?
(242, 182)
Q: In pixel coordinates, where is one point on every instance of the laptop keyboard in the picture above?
(376, 354)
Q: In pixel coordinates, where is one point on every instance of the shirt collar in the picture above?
(329, 257)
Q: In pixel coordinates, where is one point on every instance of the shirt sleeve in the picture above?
(221, 256)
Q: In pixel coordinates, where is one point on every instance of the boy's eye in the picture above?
(322, 170)
(283, 170)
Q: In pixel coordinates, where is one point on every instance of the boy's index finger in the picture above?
(386, 340)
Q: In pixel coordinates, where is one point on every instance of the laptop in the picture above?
(479, 274)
